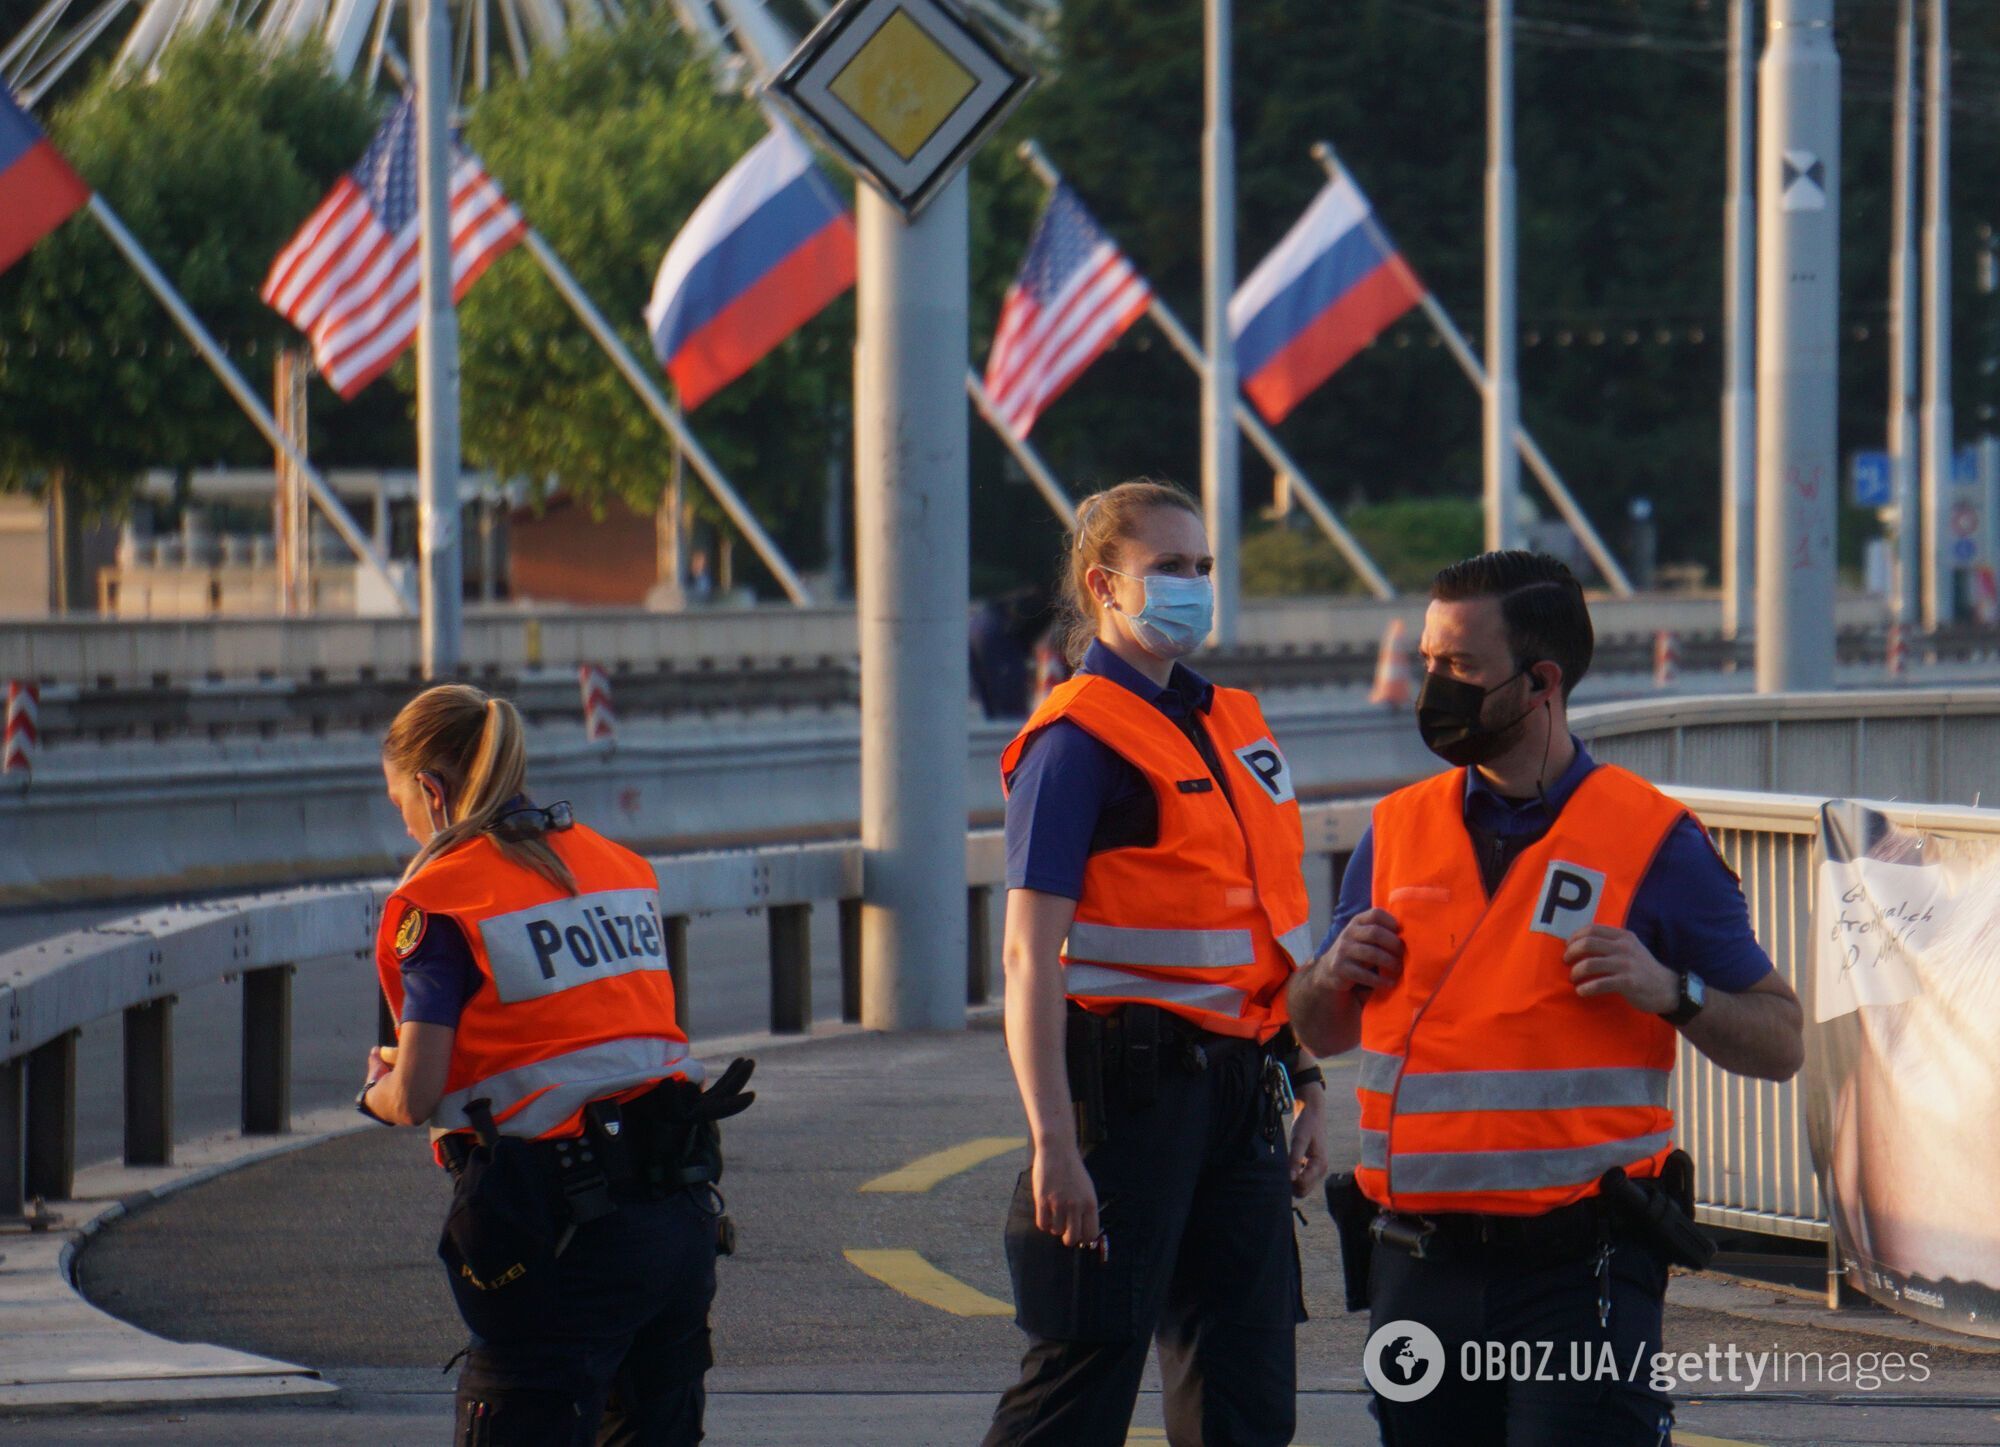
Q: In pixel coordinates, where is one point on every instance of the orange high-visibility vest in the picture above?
(574, 1002)
(1209, 920)
(1486, 1082)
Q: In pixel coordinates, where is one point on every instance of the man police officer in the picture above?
(1518, 941)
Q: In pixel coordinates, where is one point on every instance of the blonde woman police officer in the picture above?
(1155, 913)
(525, 961)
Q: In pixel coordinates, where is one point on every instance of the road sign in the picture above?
(1869, 480)
(902, 90)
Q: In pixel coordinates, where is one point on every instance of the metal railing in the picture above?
(1927, 744)
(1749, 1138)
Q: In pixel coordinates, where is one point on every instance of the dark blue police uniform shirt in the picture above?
(440, 974)
(1073, 796)
(1688, 910)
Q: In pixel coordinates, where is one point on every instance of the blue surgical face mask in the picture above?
(1178, 615)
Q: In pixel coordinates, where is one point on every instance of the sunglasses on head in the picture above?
(517, 826)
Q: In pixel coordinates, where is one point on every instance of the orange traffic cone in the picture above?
(1392, 668)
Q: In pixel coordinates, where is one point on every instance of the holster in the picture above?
(1353, 1214)
(1083, 1057)
(1660, 1211)
(675, 1135)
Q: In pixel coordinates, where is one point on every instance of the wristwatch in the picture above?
(361, 1103)
(1693, 995)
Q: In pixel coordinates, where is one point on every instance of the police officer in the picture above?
(1517, 943)
(525, 961)
(1155, 909)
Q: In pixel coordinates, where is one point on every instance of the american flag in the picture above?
(350, 278)
(1075, 295)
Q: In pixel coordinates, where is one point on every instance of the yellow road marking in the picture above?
(926, 1171)
(916, 1278)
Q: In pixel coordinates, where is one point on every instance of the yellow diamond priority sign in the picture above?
(902, 90)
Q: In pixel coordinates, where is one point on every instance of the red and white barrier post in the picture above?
(1666, 658)
(600, 723)
(17, 754)
(1898, 655)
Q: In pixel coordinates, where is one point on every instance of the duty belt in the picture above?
(1577, 1229)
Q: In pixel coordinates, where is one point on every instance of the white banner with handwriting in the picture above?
(1903, 1066)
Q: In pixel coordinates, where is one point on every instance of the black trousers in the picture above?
(620, 1353)
(1572, 1382)
(1194, 1196)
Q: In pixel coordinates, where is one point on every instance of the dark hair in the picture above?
(1541, 605)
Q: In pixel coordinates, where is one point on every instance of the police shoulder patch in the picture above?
(410, 931)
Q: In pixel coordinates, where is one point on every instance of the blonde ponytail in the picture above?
(478, 747)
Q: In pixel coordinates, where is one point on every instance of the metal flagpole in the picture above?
(1739, 391)
(1798, 313)
(441, 565)
(1253, 426)
(252, 405)
(1903, 325)
(911, 584)
(1935, 454)
(766, 43)
(668, 417)
(1221, 479)
(1503, 388)
(1524, 442)
(1023, 450)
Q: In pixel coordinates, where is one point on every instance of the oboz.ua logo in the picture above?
(1403, 1360)
(567, 942)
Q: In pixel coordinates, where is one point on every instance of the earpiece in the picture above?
(434, 797)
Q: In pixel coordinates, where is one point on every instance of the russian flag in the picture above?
(1325, 292)
(765, 250)
(38, 190)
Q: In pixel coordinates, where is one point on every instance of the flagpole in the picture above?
(1936, 451)
(1503, 389)
(1524, 442)
(1252, 425)
(252, 405)
(1221, 477)
(1024, 452)
(1903, 326)
(668, 416)
(1739, 386)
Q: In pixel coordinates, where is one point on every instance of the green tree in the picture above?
(212, 166)
(608, 150)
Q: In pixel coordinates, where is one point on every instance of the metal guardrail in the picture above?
(135, 969)
(1749, 1138)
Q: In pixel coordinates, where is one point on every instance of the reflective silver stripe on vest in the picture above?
(1092, 982)
(568, 1082)
(1606, 1086)
(1375, 1149)
(1424, 1171)
(1298, 942)
(1185, 949)
(1378, 1071)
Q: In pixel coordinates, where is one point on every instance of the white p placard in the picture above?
(1568, 901)
(1269, 768)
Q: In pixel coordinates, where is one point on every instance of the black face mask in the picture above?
(1448, 712)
